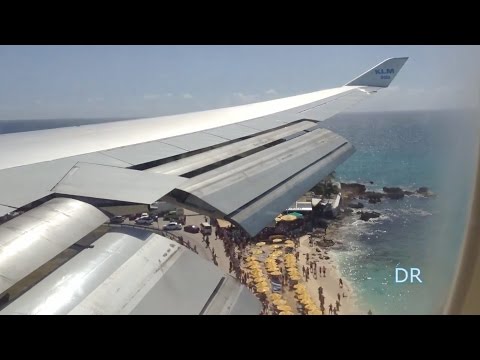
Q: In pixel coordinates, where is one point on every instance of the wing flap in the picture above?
(105, 182)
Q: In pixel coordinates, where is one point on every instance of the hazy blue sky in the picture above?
(135, 81)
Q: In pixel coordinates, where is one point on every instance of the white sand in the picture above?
(330, 283)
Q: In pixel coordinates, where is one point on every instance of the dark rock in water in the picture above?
(395, 196)
(373, 197)
(358, 205)
(367, 215)
(371, 182)
(392, 190)
(425, 191)
(348, 210)
(394, 193)
(406, 192)
(353, 188)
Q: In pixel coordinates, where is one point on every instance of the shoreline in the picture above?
(330, 283)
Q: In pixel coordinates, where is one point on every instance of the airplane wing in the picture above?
(244, 164)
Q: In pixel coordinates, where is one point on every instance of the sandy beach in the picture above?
(256, 257)
(329, 283)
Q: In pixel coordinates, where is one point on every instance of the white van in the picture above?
(206, 228)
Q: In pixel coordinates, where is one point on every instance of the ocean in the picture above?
(407, 149)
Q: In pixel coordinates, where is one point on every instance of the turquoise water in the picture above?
(433, 149)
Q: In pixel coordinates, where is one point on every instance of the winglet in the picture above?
(380, 75)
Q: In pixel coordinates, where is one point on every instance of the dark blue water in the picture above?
(433, 149)
(407, 149)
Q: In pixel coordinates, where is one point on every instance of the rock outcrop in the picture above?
(367, 215)
(353, 188)
(425, 191)
(357, 205)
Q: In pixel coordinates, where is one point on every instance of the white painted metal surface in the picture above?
(164, 278)
(233, 185)
(51, 144)
(104, 182)
(193, 162)
(31, 239)
(5, 210)
(67, 286)
(254, 217)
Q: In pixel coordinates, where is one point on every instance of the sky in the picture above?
(59, 82)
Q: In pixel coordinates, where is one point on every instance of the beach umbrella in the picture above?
(280, 302)
(263, 289)
(284, 308)
(315, 312)
(295, 278)
(291, 246)
(261, 243)
(310, 307)
(288, 218)
(289, 241)
(297, 215)
(277, 240)
(276, 273)
(299, 286)
(286, 313)
(275, 296)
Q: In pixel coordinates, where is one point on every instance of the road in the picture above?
(196, 239)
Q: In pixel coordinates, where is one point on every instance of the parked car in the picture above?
(117, 219)
(172, 226)
(144, 221)
(192, 229)
(134, 216)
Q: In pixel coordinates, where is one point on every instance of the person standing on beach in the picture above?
(338, 296)
(324, 271)
(330, 307)
(303, 270)
(320, 291)
(341, 283)
(370, 312)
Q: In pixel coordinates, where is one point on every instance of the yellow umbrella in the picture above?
(263, 284)
(284, 308)
(290, 245)
(280, 302)
(263, 289)
(286, 313)
(275, 296)
(277, 240)
(310, 307)
(276, 246)
(315, 312)
(256, 252)
(299, 286)
(295, 278)
(261, 243)
(276, 273)
(289, 241)
(288, 218)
